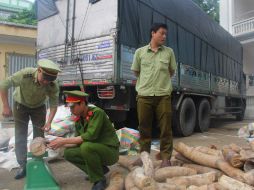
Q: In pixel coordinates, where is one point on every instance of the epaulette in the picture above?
(75, 118)
(28, 75)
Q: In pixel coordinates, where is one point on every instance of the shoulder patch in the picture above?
(28, 76)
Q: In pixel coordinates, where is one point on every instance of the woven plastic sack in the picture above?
(5, 135)
(128, 138)
(247, 131)
(62, 127)
(63, 122)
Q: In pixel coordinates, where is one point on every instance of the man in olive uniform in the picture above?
(97, 145)
(154, 65)
(32, 87)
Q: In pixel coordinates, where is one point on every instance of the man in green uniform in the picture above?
(97, 145)
(154, 65)
(32, 87)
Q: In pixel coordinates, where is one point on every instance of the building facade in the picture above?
(17, 50)
(237, 17)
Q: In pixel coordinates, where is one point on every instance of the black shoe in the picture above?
(105, 171)
(100, 185)
(21, 173)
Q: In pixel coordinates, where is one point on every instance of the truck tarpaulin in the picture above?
(202, 43)
(45, 9)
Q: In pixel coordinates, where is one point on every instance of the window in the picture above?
(251, 80)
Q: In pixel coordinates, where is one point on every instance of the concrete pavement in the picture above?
(222, 132)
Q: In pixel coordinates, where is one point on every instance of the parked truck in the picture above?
(94, 41)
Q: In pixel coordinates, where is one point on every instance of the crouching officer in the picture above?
(97, 145)
(32, 87)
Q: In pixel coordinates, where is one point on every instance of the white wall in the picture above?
(231, 12)
(248, 58)
(226, 14)
(243, 9)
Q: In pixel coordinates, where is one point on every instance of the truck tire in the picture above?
(203, 115)
(185, 118)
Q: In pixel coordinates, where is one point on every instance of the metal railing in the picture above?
(243, 27)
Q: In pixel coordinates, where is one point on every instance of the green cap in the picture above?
(49, 66)
(75, 93)
(75, 96)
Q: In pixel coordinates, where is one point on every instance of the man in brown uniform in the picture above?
(154, 65)
(32, 88)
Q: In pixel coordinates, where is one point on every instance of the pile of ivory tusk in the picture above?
(192, 168)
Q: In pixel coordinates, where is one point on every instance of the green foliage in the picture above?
(24, 17)
(211, 7)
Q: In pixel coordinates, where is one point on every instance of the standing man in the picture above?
(96, 143)
(154, 65)
(32, 87)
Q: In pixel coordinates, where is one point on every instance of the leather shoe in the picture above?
(99, 185)
(165, 163)
(105, 169)
(21, 173)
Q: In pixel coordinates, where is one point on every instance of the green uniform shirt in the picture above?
(154, 78)
(28, 91)
(97, 128)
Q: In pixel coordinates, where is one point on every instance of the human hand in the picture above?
(57, 143)
(7, 111)
(46, 127)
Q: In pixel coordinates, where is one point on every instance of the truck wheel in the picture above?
(203, 116)
(185, 118)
